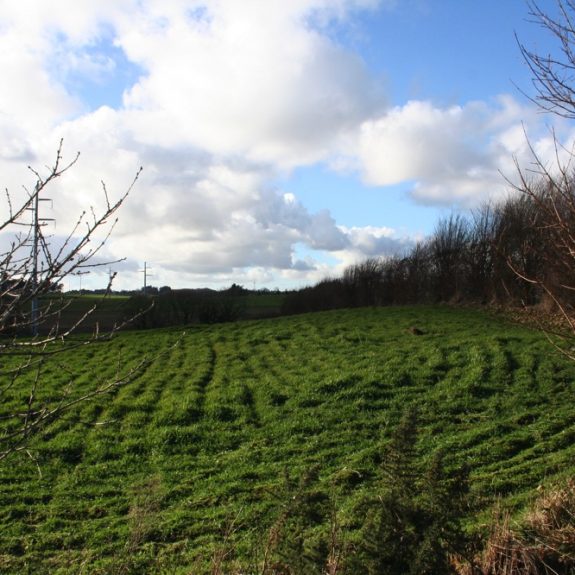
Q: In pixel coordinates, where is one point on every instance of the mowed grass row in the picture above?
(214, 431)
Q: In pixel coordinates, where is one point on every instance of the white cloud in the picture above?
(246, 78)
(415, 141)
(231, 95)
(454, 155)
(370, 241)
(24, 78)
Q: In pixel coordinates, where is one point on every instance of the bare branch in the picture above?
(27, 277)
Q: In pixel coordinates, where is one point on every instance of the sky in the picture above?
(280, 140)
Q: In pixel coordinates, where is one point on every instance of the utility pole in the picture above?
(145, 272)
(37, 221)
(80, 274)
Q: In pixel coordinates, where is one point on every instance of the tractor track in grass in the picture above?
(207, 433)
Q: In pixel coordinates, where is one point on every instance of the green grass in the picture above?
(210, 431)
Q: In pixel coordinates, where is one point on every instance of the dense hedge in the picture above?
(511, 253)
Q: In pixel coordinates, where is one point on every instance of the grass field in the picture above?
(205, 444)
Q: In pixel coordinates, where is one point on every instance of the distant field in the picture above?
(111, 310)
(215, 431)
(101, 312)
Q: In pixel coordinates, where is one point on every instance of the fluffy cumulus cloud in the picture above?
(458, 155)
(227, 96)
(217, 99)
(247, 78)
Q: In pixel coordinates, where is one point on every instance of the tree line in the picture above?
(515, 252)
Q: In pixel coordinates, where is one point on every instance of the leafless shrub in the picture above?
(31, 333)
(552, 76)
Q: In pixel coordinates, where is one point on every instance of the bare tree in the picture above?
(549, 186)
(363, 281)
(31, 331)
(553, 76)
(448, 248)
(481, 254)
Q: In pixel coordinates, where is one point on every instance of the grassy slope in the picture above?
(208, 432)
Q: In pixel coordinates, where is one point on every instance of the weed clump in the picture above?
(413, 525)
(543, 543)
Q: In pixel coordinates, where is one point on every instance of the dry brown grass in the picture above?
(543, 543)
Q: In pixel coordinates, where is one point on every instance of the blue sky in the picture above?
(449, 52)
(281, 141)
